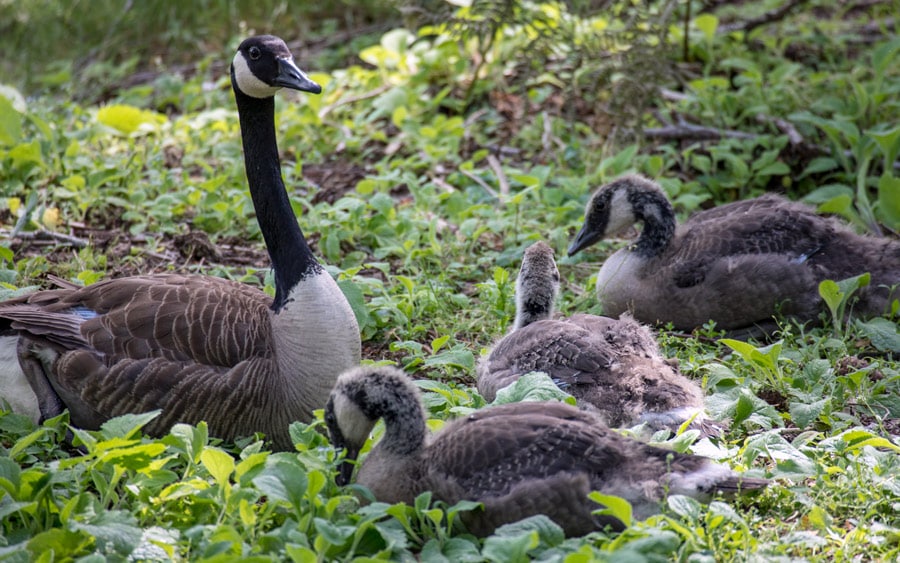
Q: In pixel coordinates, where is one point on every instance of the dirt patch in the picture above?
(332, 180)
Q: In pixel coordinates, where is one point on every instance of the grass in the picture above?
(420, 175)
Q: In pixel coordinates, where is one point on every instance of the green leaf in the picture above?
(614, 506)
(135, 457)
(219, 464)
(334, 534)
(301, 554)
(250, 466)
(357, 301)
(774, 169)
(456, 357)
(127, 425)
(10, 474)
(857, 439)
(192, 438)
(803, 414)
(26, 153)
(285, 482)
(67, 543)
(452, 550)
(533, 386)
(707, 24)
(817, 166)
(684, 506)
(115, 531)
(128, 119)
(10, 123)
(743, 408)
(881, 332)
(831, 294)
(510, 549)
(819, 518)
(550, 534)
(438, 343)
(22, 443)
(888, 202)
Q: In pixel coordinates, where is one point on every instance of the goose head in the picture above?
(618, 205)
(263, 65)
(360, 397)
(536, 285)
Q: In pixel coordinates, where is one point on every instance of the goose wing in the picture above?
(544, 458)
(199, 319)
(790, 231)
(567, 352)
(96, 390)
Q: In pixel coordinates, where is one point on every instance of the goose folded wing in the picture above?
(568, 353)
(234, 401)
(182, 318)
(490, 452)
(791, 237)
(62, 330)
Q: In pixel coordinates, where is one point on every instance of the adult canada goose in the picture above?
(518, 459)
(198, 347)
(611, 366)
(737, 264)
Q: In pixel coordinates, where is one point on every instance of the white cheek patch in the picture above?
(354, 424)
(621, 215)
(247, 82)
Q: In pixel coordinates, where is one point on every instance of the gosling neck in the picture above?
(292, 259)
(535, 297)
(404, 427)
(654, 210)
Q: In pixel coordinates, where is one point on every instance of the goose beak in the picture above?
(583, 239)
(345, 471)
(290, 76)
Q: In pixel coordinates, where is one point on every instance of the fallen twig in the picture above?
(353, 99)
(480, 182)
(688, 131)
(47, 236)
(762, 19)
(495, 165)
(786, 127)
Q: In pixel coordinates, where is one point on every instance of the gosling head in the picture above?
(536, 285)
(360, 397)
(263, 65)
(614, 208)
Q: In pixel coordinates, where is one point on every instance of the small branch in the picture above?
(786, 127)
(480, 182)
(673, 96)
(47, 235)
(441, 183)
(502, 150)
(547, 134)
(763, 19)
(687, 131)
(353, 99)
(501, 176)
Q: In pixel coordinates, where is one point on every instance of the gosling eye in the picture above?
(255, 53)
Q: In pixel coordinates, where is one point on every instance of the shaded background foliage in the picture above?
(448, 138)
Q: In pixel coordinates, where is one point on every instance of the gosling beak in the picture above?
(583, 239)
(290, 76)
(345, 470)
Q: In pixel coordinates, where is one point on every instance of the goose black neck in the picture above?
(292, 259)
(654, 210)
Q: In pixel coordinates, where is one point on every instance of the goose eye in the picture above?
(254, 53)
